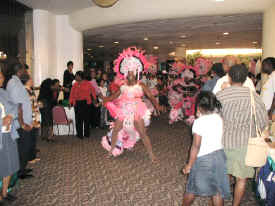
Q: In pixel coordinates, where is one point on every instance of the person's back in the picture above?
(210, 128)
(236, 111)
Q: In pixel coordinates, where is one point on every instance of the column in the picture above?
(180, 53)
(269, 32)
(29, 39)
(55, 43)
(268, 37)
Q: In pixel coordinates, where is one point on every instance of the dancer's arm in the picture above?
(111, 98)
(150, 96)
(193, 153)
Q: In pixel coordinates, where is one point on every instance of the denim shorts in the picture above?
(208, 176)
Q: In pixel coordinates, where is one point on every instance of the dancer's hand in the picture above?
(186, 169)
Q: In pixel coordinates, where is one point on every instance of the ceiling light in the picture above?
(171, 42)
(89, 49)
(146, 38)
(254, 42)
(116, 42)
(183, 45)
(101, 46)
(218, 43)
(155, 47)
(226, 33)
(173, 53)
(219, 0)
(183, 36)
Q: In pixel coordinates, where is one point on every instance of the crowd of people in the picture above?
(214, 98)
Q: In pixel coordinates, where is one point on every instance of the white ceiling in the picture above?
(58, 6)
(163, 22)
(201, 33)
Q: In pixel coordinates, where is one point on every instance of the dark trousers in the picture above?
(66, 95)
(163, 101)
(34, 134)
(24, 143)
(103, 116)
(81, 109)
(94, 116)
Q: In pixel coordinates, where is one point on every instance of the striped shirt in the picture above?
(236, 111)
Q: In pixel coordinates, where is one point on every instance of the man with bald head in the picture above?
(223, 82)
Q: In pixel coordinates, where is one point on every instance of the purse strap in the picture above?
(253, 113)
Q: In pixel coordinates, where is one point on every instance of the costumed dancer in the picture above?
(182, 94)
(130, 112)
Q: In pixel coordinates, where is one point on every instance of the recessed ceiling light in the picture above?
(183, 36)
(173, 53)
(116, 42)
(219, 0)
(146, 38)
(155, 47)
(254, 42)
(226, 33)
(218, 43)
(101, 46)
(89, 49)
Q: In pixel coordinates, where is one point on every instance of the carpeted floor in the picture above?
(76, 173)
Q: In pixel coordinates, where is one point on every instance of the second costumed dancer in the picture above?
(126, 106)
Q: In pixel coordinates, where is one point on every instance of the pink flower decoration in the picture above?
(203, 65)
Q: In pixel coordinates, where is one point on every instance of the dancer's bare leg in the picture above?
(140, 127)
(117, 127)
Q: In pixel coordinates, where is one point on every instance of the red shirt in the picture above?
(82, 91)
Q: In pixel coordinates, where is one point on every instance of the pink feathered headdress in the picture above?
(177, 67)
(131, 59)
(180, 67)
(203, 65)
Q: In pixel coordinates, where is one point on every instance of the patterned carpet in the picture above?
(76, 173)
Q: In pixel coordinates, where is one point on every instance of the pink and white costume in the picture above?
(182, 94)
(128, 107)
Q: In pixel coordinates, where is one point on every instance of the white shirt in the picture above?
(268, 90)
(4, 128)
(210, 128)
(225, 79)
(103, 91)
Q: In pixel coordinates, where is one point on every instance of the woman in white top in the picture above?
(207, 163)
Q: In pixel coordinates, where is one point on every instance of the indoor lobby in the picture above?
(178, 38)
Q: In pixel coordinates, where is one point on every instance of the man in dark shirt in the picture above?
(68, 78)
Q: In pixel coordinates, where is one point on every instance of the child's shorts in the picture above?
(208, 176)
